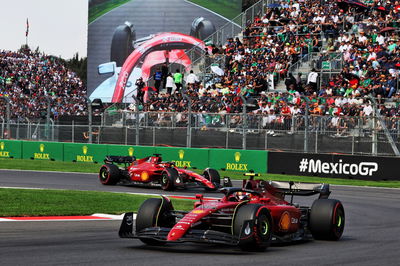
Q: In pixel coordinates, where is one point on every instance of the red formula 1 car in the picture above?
(250, 217)
(153, 171)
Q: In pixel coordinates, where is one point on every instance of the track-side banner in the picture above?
(238, 160)
(183, 157)
(43, 150)
(87, 153)
(10, 149)
(332, 165)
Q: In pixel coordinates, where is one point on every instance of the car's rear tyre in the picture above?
(168, 178)
(213, 176)
(109, 174)
(327, 219)
(154, 212)
(256, 236)
(121, 44)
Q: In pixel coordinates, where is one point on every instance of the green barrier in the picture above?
(42, 150)
(184, 157)
(137, 151)
(89, 153)
(10, 149)
(239, 160)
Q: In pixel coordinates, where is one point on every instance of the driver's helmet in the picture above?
(241, 195)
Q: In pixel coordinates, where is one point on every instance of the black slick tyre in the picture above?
(253, 225)
(109, 174)
(213, 176)
(154, 212)
(121, 44)
(327, 219)
(168, 177)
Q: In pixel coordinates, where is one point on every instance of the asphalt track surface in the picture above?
(371, 235)
(148, 17)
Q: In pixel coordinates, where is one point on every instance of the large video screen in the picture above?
(117, 28)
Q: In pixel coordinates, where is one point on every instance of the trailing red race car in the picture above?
(153, 171)
(250, 217)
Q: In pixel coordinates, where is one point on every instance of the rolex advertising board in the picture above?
(184, 157)
(42, 150)
(238, 160)
(88, 153)
(10, 149)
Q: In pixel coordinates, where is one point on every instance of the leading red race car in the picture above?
(250, 217)
(153, 171)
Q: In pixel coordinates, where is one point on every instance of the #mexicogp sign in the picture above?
(42, 150)
(88, 153)
(10, 149)
(239, 160)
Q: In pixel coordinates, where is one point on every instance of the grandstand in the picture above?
(312, 70)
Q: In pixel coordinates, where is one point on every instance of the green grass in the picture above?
(227, 8)
(42, 165)
(29, 202)
(99, 10)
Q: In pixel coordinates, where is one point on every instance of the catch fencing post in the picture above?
(306, 123)
(189, 127)
(244, 122)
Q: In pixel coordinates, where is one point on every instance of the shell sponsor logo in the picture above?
(197, 211)
(144, 176)
(285, 221)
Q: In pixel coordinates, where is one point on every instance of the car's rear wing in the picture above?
(301, 189)
(119, 159)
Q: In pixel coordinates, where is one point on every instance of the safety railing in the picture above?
(325, 133)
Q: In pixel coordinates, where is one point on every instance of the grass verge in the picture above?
(227, 8)
(42, 165)
(29, 202)
(99, 10)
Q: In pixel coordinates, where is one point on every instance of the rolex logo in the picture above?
(130, 151)
(41, 147)
(84, 150)
(1, 145)
(181, 154)
(237, 156)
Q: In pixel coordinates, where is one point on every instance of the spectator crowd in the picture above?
(362, 34)
(31, 80)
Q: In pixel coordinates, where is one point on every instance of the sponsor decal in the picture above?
(247, 230)
(236, 166)
(197, 211)
(3, 153)
(285, 221)
(181, 163)
(130, 151)
(144, 176)
(84, 158)
(41, 155)
(319, 167)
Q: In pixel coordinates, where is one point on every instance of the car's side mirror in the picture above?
(107, 68)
